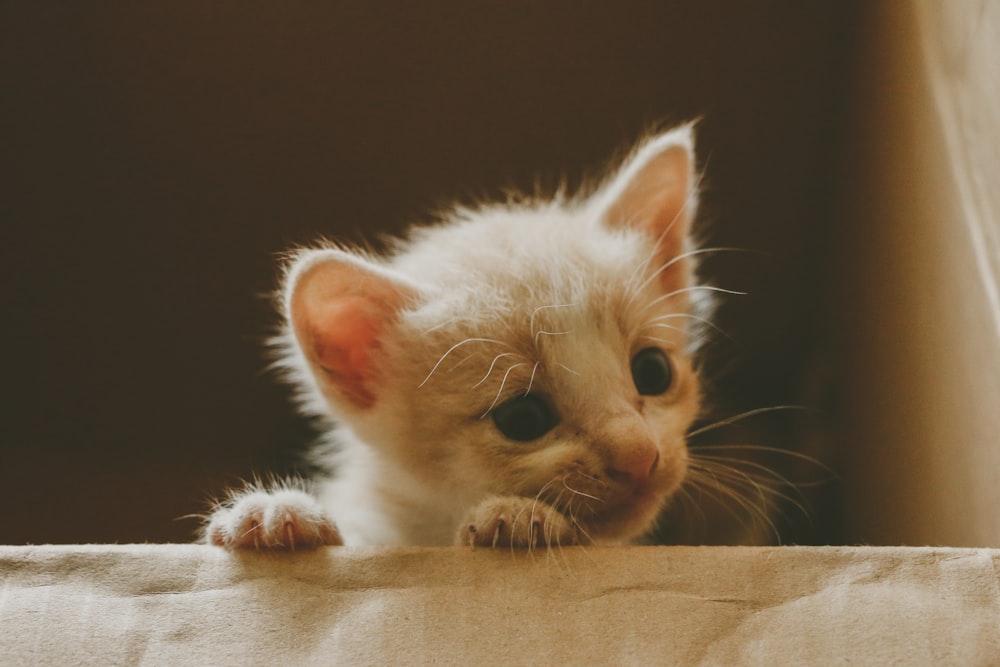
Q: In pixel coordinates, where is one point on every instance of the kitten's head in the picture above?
(535, 349)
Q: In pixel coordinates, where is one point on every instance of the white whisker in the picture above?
(680, 257)
(733, 476)
(455, 347)
(686, 290)
(500, 391)
(660, 325)
(700, 477)
(701, 320)
(740, 475)
(534, 313)
(550, 333)
(531, 380)
(734, 463)
(492, 365)
(762, 448)
(581, 493)
(744, 415)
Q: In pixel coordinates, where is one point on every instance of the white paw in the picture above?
(280, 519)
(515, 522)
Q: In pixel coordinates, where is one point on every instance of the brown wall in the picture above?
(157, 155)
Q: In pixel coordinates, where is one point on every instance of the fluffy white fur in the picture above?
(405, 357)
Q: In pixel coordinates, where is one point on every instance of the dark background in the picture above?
(157, 156)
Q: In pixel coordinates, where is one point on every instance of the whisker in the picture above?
(550, 333)
(500, 391)
(799, 502)
(461, 361)
(588, 476)
(735, 474)
(685, 496)
(490, 371)
(513, 525)
(744, 415)
(545, 487)
(701, 320)
(660, 325)
(765, 449)
(531, 380)
(656, 339)
(630, 285)
(455, 347)
(581, 493)
(583, 531)
(723, 491)
(736, 463)
(681, 257)
(686, 290)
(531, 321)
(555, 505)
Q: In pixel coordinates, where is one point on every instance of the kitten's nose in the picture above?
(635, 465)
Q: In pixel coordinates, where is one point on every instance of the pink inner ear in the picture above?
(344, 337)
(653, 194)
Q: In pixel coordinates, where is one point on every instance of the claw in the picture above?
(282, 520)
(535, 533)
(497, 533)
(518, 523)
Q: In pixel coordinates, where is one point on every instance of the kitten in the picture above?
(519, 375)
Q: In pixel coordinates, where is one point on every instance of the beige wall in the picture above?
(915, 279)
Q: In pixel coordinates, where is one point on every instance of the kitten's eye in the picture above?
(524, 418)
(651, 371)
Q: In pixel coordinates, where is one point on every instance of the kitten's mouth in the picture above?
(624, 518)
(609, 511)
(640, 501)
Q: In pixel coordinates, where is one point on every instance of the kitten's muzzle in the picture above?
(635, 466)
(636, 469)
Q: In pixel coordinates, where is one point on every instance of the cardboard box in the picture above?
(194, 605)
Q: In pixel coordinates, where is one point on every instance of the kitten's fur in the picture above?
(409, 357)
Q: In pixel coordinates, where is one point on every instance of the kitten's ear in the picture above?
(339, 306)
(655, 191)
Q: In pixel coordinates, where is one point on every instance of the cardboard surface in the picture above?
(191, 604)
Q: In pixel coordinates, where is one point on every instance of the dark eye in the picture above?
(524, 418)
(651, 371)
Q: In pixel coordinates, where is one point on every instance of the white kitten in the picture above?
(517, 375)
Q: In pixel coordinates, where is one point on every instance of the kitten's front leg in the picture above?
(279, 519)
(516, 522)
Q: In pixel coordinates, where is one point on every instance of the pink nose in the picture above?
(635, 465)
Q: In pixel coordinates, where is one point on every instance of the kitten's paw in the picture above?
(516, 522)
(286, 519)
